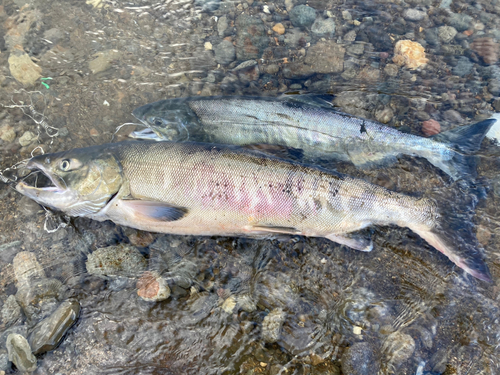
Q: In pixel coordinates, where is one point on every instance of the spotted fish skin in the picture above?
(204, 189)
(308, 123)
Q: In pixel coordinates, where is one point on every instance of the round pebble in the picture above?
(272, 324)
(446, 33)
(152, 287)
(20, 353)
(384, 115)
(7, 133)
(225, 52)
(431, 127)
(483, 235)
(391, 70)
(27, 138)
(120, 260)
(27, 268)
(302, 16)
(323, 27)
(398, 348)
(413, 15)
(279, 28)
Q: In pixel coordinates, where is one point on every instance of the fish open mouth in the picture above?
(39, 182)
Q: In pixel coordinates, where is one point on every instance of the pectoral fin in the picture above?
(155, 210)
(355, 242)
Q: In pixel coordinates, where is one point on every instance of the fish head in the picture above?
(168, 119)
(79, 182)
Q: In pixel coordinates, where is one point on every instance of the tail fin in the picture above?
(464, 141)
(453, 235)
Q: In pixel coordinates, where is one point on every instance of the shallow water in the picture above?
(403, 308)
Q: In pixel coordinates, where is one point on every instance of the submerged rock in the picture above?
(397, 348)
(103, 60)
(326, 57)
(120, 260)
(360, 359)
(20, 353)
(11, 311)
(410, 54)
(49, 332)
(323, 27)
(464, 66)
(431, 127)
(23, 69)
(272, 325)
(27, 268)
(251, 37)
(4, 362)
(487, 48)
(40, 298)
(152, 287)
(302, 16)
(224, 52)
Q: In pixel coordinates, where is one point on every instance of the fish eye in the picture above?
(65, 165)
(157, 121)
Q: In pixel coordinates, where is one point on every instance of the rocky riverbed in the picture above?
(97, 298)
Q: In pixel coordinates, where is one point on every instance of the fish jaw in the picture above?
(58, 196)
(52, 196)
(146, 133)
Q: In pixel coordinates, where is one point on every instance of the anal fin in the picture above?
(275, 229)
(355, 242)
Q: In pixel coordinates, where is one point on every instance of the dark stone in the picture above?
(49, 332)
(431, 36)
(496, 104)
(494, 87)
(379, 38)
(463, 67)
(460, 21)
(251, 39)
(224, 52)
(422, 115)
(302, 16)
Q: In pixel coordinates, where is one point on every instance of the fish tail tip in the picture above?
(477, 268)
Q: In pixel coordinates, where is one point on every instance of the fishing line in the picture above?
(50, 216)
(39, 118)
(127, 124)
(15, 166)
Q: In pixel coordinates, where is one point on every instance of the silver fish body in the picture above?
(308, 123)
(202, 189)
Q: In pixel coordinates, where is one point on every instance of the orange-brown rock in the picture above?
(152, 287)
(487, 48)
(410, 54)
(431, 127)
(148, 286)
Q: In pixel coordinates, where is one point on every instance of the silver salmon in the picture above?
(308, 123)
(203, 189)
